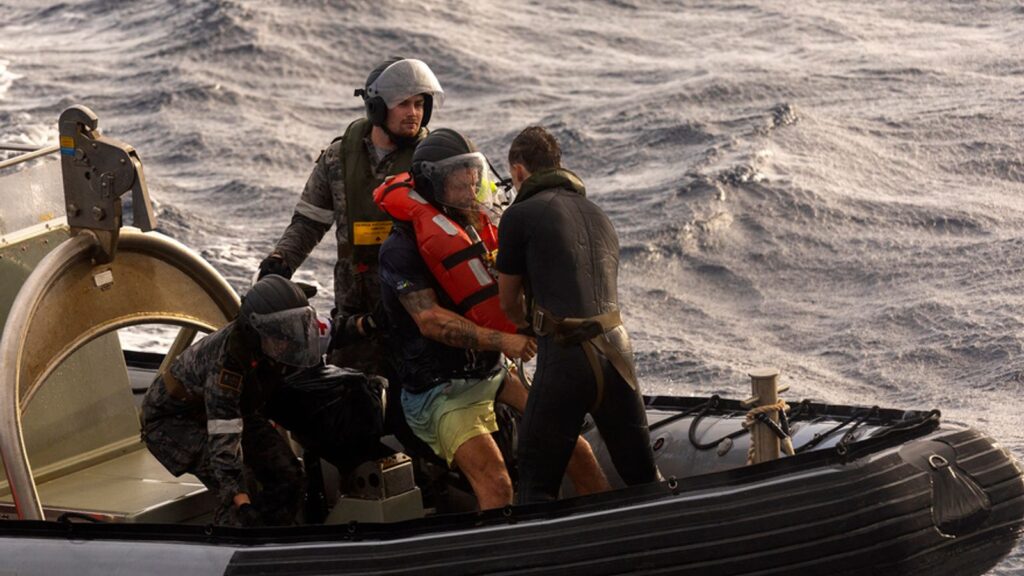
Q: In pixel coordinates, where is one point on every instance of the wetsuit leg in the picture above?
(622, 421)
(562, 390)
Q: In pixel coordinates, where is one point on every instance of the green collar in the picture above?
(547, 179)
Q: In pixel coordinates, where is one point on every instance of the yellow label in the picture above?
(66, 142)
(370, 233)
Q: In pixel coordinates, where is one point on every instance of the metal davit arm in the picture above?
(29, 155)
(79, 291)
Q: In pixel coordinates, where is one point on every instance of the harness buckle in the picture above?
(538, 322)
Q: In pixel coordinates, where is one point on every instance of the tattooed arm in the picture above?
(449, 328)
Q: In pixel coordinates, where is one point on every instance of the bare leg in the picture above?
(481, 462)
(583, 470)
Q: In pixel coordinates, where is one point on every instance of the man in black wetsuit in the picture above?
(558, 252)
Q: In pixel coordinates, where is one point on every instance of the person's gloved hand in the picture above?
(346, 330)
(275, 264)
(246, 516)
(356, 327)
(378, 318)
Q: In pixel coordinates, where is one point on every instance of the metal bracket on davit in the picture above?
(97, 171)
(101, 279)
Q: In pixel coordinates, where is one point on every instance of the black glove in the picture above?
(246, 516)
(370, 324)
(346, 329)
(379, 318)
(275, 264)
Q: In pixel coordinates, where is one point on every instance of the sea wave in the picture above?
(7, 77)
(832, 189)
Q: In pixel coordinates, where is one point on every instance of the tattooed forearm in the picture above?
(445, 326)
(459, 333)
(494, 340)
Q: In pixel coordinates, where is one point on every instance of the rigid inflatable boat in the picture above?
(863, 490)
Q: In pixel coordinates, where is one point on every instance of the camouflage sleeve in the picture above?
(224, 429)
(316, 209)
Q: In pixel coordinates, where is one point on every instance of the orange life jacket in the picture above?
(459, 263)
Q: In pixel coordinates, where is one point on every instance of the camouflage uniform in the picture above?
(324, 203)
(219, 434)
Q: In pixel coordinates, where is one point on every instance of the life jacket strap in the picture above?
(476, 298)
(475, 250)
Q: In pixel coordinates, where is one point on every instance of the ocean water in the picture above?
(834, 189)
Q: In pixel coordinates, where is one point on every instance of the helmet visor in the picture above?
(404, 79)
(290, 336)
(463, 181)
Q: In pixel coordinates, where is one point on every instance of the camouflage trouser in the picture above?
(273, 475)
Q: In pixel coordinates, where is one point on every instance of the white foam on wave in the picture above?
(7, 78)
(25, 129)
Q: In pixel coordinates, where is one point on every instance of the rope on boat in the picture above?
(859, 417)
(844, 442)
(710, 405)
(800, 411)
(705, 408)
(754, 415)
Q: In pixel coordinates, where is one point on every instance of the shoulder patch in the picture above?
(229, 380)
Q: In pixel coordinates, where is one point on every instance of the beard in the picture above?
(465, 217)
(402, 141)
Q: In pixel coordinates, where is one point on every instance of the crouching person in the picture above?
(205, 414)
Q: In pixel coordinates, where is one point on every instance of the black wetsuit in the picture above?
(567, 252)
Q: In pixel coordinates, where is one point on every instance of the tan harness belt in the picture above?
(591, 333)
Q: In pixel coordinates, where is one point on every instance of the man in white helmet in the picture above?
(399, 96)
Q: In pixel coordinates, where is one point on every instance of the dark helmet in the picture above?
(395, 80)
(440, 145)
(278, 311)
(270, 294)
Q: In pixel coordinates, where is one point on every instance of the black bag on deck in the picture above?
(338, 413)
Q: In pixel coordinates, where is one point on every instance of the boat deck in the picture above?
(133, 487)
